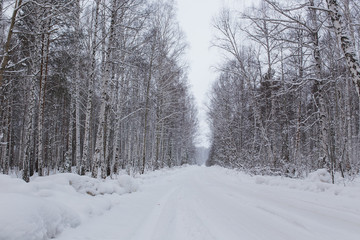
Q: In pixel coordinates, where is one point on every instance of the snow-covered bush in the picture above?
(320, 175)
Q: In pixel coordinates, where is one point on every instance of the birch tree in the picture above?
(89, 103)
(345, 42)
(99, 157)
(77, 82)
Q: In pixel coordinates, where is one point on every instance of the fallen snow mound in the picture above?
(93, 187)
(46, 206)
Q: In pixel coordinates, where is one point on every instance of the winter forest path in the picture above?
(210, 204)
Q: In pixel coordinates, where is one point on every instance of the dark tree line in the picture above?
(93, 86)
(286, 100)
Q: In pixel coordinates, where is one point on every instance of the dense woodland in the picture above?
(101, 86)
(287, 97)
(93, 86)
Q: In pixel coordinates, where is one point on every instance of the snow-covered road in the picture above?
(214, 203)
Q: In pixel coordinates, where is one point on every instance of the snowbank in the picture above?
(43, 208)
(46, 206)
(33, 218)
(317, 181)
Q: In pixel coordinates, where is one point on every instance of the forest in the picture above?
(99, 121)
(93, 86)
(286, 101)
(101, 86)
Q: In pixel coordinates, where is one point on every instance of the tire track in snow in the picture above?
(198, 203)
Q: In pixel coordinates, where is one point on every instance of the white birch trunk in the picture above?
(115, 163)
(299, 109)
(348, 139)
(69, 152)
(130, 148)
(116, 148)
(99, 156)
(89, 102)
(324, 156)
(42, 89)
(77, 88)
(28, 130)
(146, 119)
(347, 45)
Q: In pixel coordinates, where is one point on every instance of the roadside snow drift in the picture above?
(184, 203)
(46, 206)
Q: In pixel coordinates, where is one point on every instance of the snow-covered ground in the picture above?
(45, 207)
(183, 203)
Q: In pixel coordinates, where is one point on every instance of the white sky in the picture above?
(195, 20)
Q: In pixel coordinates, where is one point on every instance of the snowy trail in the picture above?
(206, 203)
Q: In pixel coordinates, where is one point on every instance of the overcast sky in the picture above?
(195, 20)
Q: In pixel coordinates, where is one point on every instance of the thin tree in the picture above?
(6, 51)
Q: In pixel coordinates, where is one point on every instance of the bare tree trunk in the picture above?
(75, 101)
(5, 58)
(299, 108)
(5, 138)
(69, 152)
(346, 43)
(118, 97)
(29, 150)
(349, 138)
(130, 142)
(28, 130)
(89, 103)
(324, 159)
(158, 132)
(77, 87)
(146, 117)
(1, 22)
(116, 148)
(269, 129)
(45, 42)
(99, 156)
(1, 9)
